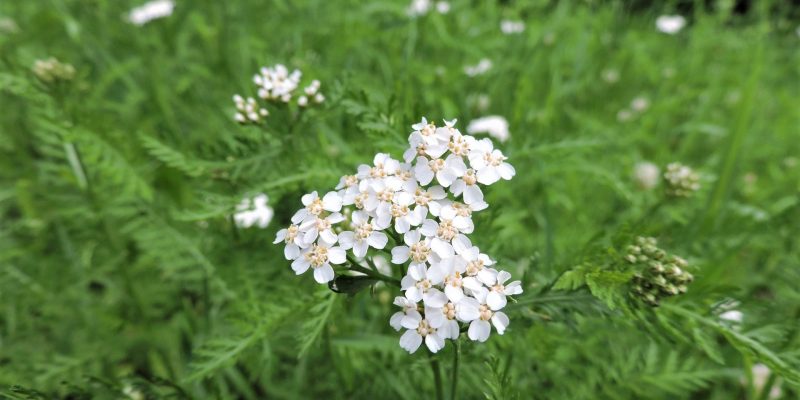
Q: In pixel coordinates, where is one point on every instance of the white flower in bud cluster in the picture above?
(419, 211)
(681, 180)
(670, 24)
(248, 110)
(483, 66)
(647, 175)
(253, 212)
(510, 27)
(495, 125)
(51, 70)
(419, 8)
(151, 11)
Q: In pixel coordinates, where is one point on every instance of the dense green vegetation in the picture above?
(123, 274)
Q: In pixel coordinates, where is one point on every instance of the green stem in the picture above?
(354, 266)
(437, 377)
(454, 372)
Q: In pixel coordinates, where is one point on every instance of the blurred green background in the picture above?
(123, 275)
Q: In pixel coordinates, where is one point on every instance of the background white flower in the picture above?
(494, 125)
(670, 24)
(253, 212)
(151, 11)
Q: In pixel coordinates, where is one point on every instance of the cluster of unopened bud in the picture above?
(681, 180)
(248, 111)
(660, 275)
(311, 92)
(51, 70)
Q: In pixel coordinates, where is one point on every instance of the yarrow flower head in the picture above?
(51, 70)
(254, 212)
(419, 210)
(494, 125)
(681, 180)
(659, 274)
(275, 84)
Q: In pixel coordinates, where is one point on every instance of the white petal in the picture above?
(467, 309)
(347, 240)
(434, 342)
(401, 225)
(280, 236)
(488, 176)
(473, 194)
(479, 330)
(442, 248)
(500, 322)
(454, 293)
(434, 298)
(378, 240)
(417, 271)
(449, 330)
(410, 341)
(360, 248)
(435, 317)
(323, 274)
(503, 276)
(299, 216)
(291, 251)
(471, 283)
(328, 237)
(514, 288)
(414, 294)
(300, 265)
(429, 227)
(495, 300)
(337, 255)
(411, 320)
(506, 171)
(400, 254)
(411, 237)
(446, 177)
(461, 244)
(308, 198)
(395, 320)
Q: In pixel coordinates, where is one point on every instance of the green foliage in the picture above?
(124, 275)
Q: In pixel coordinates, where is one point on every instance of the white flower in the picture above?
(446, 171)
(419, 328)
(483, 66)
(314, 206)
(321, 227)
(476, 271)
(509, 27)
(468, 186)
(444, 320)
(417, 249)
(396, 320)
(293, 239)
(383, 166)
(419, 284)
(320, 257)
(247, 110)
(494, 125)
(479, 329)
(732, 316)
(496, 299)
(150, 11)
(647, 175)
(670, 24)
(363, 236)
(443, 232)
(255, 212)
(442, 7)
(489, 162)
(640, 104)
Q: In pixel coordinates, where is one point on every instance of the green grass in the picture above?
(121, 272)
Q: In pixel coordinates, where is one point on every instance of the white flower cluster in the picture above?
(275, 84)
(418, 8)
(483, 66)
(509, 27)
(253, 211)
(670, 24)
(425, 204)
(681, 180)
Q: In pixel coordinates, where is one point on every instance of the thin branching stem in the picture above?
(454, 371)
(437, 377)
